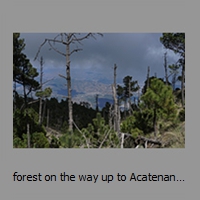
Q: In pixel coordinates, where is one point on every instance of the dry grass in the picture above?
(174, 138)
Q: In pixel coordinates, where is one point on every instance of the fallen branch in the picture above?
(142, 140)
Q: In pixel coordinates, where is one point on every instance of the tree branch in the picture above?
(82, 134)
(49, 40)
(33, 101)
(56, 49)
(62, 76)
(75, 50)
(40, 49)
(122, 142)
(105, 137)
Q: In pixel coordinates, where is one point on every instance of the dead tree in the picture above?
(41, 76)
(142, 141)
(165, 66)
(42, 93)
(116, 109)
(67, 39)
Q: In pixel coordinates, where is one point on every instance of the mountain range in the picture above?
(82, 91)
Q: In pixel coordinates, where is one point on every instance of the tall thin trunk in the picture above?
(69, 87)
(41, 75)
(165, 66)
(44, 110)
(116, 116)
(129, 97)
(40, 111)
(110, 116)
(155, 122)
(28, 137)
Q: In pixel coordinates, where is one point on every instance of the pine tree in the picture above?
(159, 101)
(176, 43)
(126, 92)
(23, 72)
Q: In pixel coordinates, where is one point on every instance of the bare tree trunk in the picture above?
(40, 111)
(110, 116)
(129, 97)
(41, 75)
(165, 66)
(69, 86)
(119, 116)
(67, 39)
(155, 122)
(116, 118)
(28, 137)
(44, 109)
(122, 141)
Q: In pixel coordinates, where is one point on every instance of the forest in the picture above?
(155, 119)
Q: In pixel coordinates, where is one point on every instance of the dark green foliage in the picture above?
(174, 42)
(20, 142)
(100, 135)
(161, 97)
(144, 120)
(106, 112)
(68, 140)
(182, 115)
(144, 89)
(23, 72)
(44, 94)
(23, 117)
(83, 115)
(129, 126)
(55, 143)
(58, 117)
(38, 140)
(126, 91)
(158, 103)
